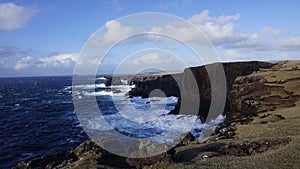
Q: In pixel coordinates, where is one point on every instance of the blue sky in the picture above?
(45, 37)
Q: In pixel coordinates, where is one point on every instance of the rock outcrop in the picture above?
(90, 155)
(145, 84)
(179, 85)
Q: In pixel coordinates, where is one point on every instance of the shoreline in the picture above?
(261, 129)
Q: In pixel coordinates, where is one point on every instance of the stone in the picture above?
(265, 115)
(281, 81)
(141, 162)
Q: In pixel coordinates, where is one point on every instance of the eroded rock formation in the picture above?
(180, 85)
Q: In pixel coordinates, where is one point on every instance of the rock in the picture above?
(226, 132)
(294, 68)
(248, 79)
(145, 84)
(204, 157)
(247, 148)
(187, 139)
(47, 161)
(223, 130)
(265, 115)
(280, 116)
(281, 81)
(141, 162)
(146, 153)
(264, 122)
(91, 151)
(21, 165)
(203, 140)
(88, 150)
(113, 80)
(252, 103)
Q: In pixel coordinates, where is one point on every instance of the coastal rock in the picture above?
(145, 84)
(48, 161)
(179, 84)
(247, 148)
(86, 153)
(91, 154)
(113, 80)
(187, 139)
(281, 81)
(141, 162)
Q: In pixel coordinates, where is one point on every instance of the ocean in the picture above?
(37, 116)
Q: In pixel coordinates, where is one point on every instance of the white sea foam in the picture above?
(101, 93)
(171, 126)
(87, 86)
(115, 91)
(145, 116)
(124, 81)
(101, 78)
(199, 128)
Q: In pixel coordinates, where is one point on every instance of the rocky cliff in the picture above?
(180, 85)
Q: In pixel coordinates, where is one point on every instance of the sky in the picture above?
(47, 38)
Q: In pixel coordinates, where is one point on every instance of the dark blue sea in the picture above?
(37, 116)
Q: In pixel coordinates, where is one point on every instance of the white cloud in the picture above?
(222, 32)
(62, 60)
(23, 63)
(54, 61)
(248, 43)
(219, 30)
(115, 31)
(16, 59)
(14, 17)
(203, 18)
(274, 32)
(291, 43)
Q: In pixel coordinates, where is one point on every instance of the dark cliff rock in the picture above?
(145, 84)
(112, 81)
(180, 85)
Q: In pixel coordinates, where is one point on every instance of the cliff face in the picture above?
(180, 85)
(145, 84)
